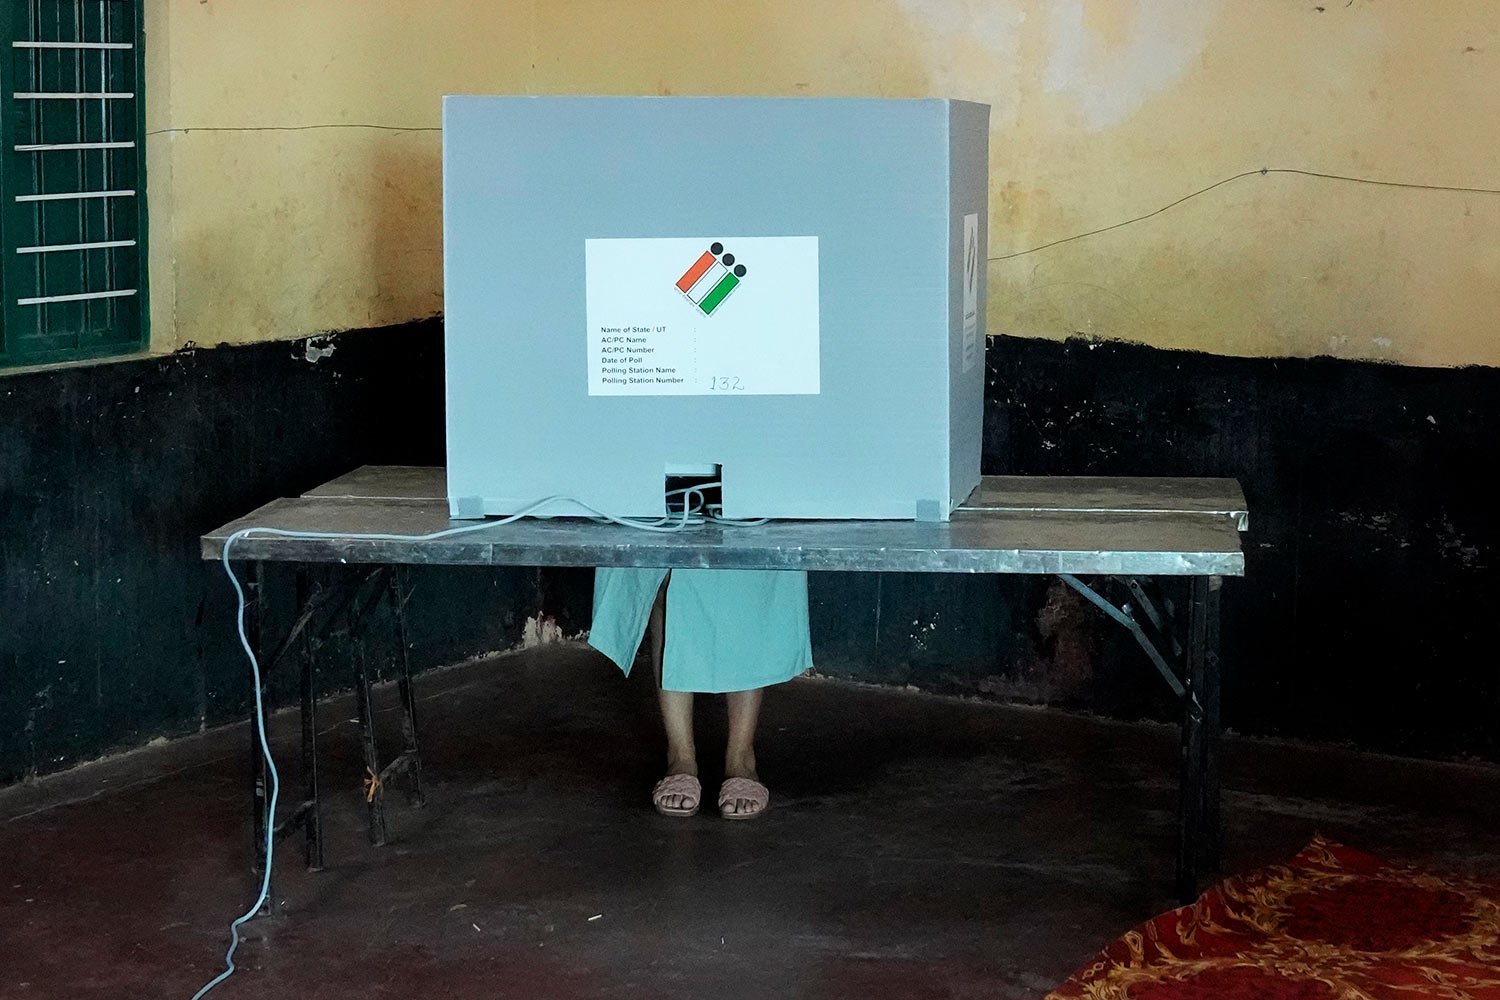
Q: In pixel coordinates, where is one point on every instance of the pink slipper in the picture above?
(746, 790)
(684, 785)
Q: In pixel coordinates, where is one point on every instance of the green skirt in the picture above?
(727, 630)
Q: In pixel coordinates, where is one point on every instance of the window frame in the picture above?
(16, 128)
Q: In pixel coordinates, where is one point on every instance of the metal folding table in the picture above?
(1124, 535)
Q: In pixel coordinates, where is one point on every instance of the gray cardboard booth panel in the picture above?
(789, 292)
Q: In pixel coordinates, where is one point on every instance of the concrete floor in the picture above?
(916, 847)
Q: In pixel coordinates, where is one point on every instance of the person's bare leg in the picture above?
(739, 755)
(676, 707)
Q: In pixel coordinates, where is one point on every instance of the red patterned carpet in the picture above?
(1334, 923)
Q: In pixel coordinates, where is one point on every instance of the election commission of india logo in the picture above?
(710, 279)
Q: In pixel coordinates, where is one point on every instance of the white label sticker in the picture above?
(716, 316)
(971, 291)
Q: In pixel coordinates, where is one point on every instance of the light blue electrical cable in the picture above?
(713, 513)
(260, 711)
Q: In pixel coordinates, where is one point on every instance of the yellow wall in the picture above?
(1103, 110)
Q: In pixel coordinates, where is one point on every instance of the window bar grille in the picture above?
(87, 149)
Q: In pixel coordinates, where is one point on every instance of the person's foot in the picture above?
(742, 798)
(679, 793)
(742, 795)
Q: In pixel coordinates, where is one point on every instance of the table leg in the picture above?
(1209, 697)
(312, 816)
(1198, 833)
(260, 778)
(260, 819)
(397, 595)
(374, 797)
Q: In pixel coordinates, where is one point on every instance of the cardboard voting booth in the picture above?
(785, 294)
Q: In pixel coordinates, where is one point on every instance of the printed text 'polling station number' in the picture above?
(726, 383)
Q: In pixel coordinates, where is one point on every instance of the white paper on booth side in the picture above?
(971, 291)
(723, 316)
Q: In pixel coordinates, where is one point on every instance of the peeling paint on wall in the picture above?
(540, 630)
(318, 348)
(1110, 56)
(972, 49)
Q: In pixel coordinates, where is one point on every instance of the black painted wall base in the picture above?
(1368, 612)
(112, 631)
(1366, 616)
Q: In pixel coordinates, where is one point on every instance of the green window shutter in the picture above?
(72, 180)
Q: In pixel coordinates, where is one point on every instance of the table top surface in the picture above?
(1054, 494)
(1011, 524)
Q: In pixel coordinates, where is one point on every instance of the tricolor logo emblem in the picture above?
(710, 279)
